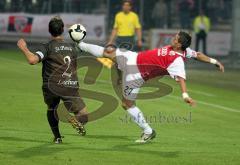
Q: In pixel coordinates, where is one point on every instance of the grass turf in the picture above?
(210, 136)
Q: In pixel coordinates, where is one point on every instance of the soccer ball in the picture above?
(77, 32)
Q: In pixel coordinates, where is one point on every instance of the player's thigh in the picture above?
(130, 92)
(50, 99)
(125, 59)
(130, 89)
(131, 83)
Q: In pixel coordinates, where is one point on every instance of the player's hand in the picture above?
(110, 43)
(22, 44)
(220, 66)
(190, 101)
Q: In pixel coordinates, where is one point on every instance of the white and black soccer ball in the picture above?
(77, 32)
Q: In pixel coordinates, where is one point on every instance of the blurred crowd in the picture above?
(51, 6)
(181, 13)
(153, 13)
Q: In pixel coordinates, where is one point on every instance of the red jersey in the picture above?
(156, 62)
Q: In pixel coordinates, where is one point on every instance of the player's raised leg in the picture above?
(99, 51)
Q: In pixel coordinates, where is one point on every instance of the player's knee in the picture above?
(126, 104)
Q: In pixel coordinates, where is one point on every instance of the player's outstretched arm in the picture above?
(202, 57)
(185, 95)
(31, 58)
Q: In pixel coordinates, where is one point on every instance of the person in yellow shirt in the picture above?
(201, 27)
(126, 24)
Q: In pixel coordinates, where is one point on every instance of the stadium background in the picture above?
(222, 40)
(211, 136)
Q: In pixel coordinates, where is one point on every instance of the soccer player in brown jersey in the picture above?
(59, 74)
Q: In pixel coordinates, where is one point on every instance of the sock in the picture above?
(53, 122)
(92, 49)
(138, 117)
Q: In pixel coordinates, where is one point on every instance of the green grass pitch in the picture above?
(211, 136)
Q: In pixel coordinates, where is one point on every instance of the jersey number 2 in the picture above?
(67, 73)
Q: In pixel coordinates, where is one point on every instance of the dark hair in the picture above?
(127, 1)
(185, 39)
(56, 26)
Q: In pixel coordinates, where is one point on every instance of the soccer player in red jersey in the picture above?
(142, 66)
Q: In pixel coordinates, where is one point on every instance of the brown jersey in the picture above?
(59, 64)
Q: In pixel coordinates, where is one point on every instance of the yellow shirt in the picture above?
(126, 23)
(201, 23)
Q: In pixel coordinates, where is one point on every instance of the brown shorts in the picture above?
(72, 100)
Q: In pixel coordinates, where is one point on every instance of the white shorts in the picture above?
(131, 77)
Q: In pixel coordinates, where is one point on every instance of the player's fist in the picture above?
(220, 66)
(190, 101)
(22, 44)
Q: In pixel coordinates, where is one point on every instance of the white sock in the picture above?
(92, 49)
(138, 117)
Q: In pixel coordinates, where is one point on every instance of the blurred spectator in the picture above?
(159, 14)
(184, 8)
(201, 27)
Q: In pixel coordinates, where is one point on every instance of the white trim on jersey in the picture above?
(40, 54)
(177, 68)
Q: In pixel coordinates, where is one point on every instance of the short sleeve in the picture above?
(42, 52)
(136, 22)
(191, 53)
(177, 68)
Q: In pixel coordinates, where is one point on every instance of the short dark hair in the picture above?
(56, 26)
(185, 39)
(127, 1)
